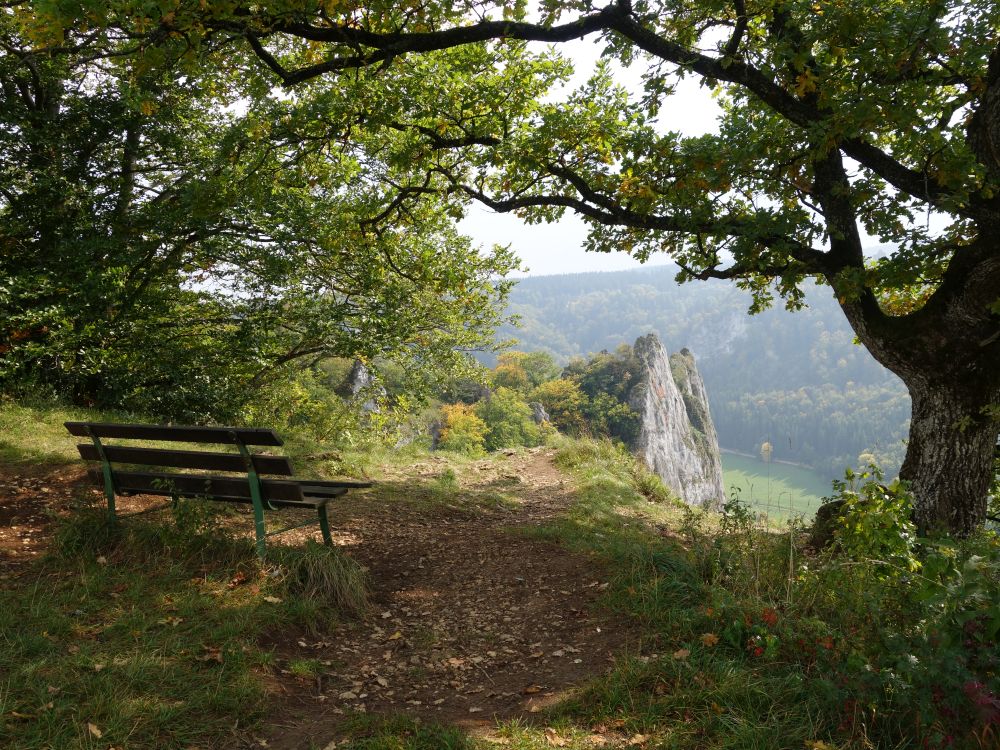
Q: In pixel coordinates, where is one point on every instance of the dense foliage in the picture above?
(837, 119)
(176, 245)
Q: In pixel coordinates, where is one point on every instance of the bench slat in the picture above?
(347, 483)
(214, 487)
(185, 434)
(186, 459)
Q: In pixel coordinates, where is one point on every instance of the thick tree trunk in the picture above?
(948, 355)
(949, 458)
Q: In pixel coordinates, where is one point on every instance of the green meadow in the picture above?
(780, 490)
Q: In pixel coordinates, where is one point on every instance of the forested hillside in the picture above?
(796, 380)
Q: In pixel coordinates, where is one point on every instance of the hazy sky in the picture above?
(558, 248)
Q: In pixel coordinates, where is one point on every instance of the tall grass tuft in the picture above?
(322, 574)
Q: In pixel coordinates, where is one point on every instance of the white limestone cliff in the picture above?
(677, 438)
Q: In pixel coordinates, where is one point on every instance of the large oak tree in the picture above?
(840, 116)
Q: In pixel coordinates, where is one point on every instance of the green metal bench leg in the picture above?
(258, 526)
(324, 525)
(255, 495)
(109, 491)
(109, 481)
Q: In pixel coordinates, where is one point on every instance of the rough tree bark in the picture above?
(949, 457)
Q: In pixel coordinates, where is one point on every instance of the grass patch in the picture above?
(361, 732)
(141, 635)
(780, 490)
(323, 575)
(33, 434)
(751, 645)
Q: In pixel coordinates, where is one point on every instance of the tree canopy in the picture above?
(838, 117)
(167, 247)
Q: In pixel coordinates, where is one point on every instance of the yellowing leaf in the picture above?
(805, 83)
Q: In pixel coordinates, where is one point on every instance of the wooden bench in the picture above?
(244, 484)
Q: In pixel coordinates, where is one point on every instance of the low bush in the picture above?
(462, 431)
(508, 421)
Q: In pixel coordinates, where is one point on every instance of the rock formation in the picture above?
(676, 439)
(361, 385)
(538, 413)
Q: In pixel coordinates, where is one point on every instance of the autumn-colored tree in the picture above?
(462, 430)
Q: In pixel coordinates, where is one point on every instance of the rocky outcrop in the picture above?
(676, 439)
(538, 413)
(362, 385)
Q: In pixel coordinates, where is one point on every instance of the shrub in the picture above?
(463, 430)
(508, 421)
(564, 402)
(609, 416)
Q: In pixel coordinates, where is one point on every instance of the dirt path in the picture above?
(28, 501)
(474, 621)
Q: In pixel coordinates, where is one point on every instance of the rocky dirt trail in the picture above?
(474, 621)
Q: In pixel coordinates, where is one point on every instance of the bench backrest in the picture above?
(144, 482)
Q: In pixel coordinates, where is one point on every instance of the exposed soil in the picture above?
(474, 620)
(29, 500)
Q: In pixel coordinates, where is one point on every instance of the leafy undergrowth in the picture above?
(884, 640)
(143, 635)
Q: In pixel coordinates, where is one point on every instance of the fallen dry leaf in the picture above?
(237, 580)
(553, 739)
(272, 600)
(212, 653)
(682, 653)
(709, 639)
(92, 728)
